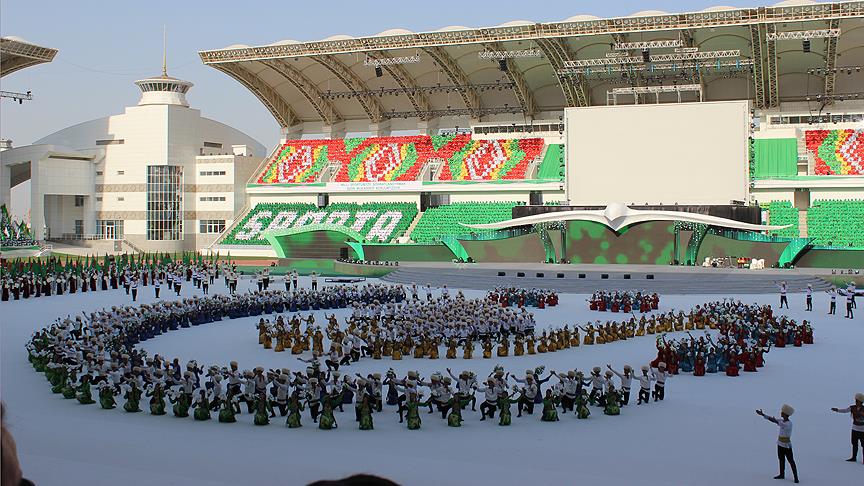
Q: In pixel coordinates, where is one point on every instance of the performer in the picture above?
(832, 294)
(644, 386)
(659, 376)
(783, 299)
(809, 307)
(784, 440)
(626, 380)
(857, 412)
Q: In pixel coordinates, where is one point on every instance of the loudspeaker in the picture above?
(650, 276)
(581, 275)
(559, 275)
(805, 45)
(626, 276)
(323, 200)
(604, 275)
(343, 253)
(535, 198)
(646, 55)
(540, 275)
(502, 65)
(379, 72)
(520, 274)
(502, 274)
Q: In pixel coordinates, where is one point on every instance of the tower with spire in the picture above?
(163, 90)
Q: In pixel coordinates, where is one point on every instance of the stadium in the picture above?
(527, 253)
(394, 145)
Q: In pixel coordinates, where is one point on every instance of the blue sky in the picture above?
(106, 45)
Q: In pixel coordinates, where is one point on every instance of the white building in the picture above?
(159, 176)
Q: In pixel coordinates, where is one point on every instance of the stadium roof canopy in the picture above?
(16, 53)
(785, 52)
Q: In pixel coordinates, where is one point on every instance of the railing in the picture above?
(83, 237)
(132, 245)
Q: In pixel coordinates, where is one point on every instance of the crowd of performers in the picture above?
(519, 297)
(57, 279)
(98, 351)
(746, 333)
(623, 301)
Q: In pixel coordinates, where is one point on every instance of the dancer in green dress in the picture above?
(230, 406)
(412, 409)
(106, 396)
(366, 413)
(157, 399)
(181, 402)
(85, 396)
(582, 411)
(295, 406)
(550, 413)
(202, 406)
(504, 402)
(261, 409)
(68, 390)
(613, 400)
(327, 420)
(133, 397)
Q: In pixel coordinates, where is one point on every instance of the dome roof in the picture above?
(338, 37)
(648, 13)
(451, 28)
(580, 18)
(395, 32)
(515, 23)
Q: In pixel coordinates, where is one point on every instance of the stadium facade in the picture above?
(392, 143)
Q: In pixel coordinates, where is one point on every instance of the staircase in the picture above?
(407, 235)
(802, 223)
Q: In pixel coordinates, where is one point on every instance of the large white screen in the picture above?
(684, 153)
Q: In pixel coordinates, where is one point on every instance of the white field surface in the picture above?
(705, 433)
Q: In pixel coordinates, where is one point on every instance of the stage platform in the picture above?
(586, 278)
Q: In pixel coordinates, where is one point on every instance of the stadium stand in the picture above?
(376, 222)
(834, 222)
(783, 213)
(488, 160)
(836, 152)
(297, 161)
(552, 167)
(384, 159)
(403, 158)
(445, 220)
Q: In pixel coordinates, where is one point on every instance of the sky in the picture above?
(106, 45)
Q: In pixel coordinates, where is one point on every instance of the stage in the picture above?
(586, 278)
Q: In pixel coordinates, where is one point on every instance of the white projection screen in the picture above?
(684, 153)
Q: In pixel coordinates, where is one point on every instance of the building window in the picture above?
(121, 172)
(79, 201)
(98, 172)
(212, 173)
(110, 229)
(79, 227)
(164, 202)
(121, 198)
(213, 145)
(207, 226)
(119, 141)
(212, 198)
(99, 198)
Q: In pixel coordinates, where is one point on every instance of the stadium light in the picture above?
(518, 54)
(676, 56)
(655, 44)
(803, 34)
(391, 61)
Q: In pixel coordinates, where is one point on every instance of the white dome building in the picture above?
(158, 177)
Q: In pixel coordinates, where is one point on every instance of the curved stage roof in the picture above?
(455, 71)
(17, 53)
